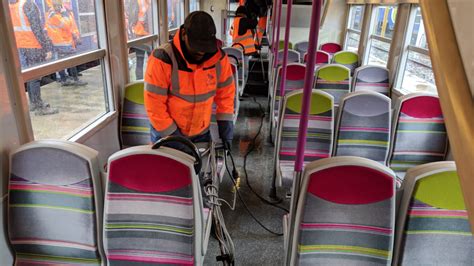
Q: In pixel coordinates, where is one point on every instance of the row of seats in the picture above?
(150, 212)
(302, 47)
(364, 127)
(346, 214)
(333, 79)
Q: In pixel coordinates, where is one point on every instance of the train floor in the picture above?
(253, 245)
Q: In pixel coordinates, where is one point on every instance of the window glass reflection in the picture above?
(138, 18)
(385, 21)
(175, 14)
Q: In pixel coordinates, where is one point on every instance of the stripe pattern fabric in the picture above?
(149, 216)
(319, 136)
(340, 224)
(52, 213)
(372, 78)
(364, 127)
(335, 80)
(419, 118)
(435, 234)
(135, 125)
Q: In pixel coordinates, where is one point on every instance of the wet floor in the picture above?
(253, 245)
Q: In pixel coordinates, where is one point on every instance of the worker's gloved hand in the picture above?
(226, 131)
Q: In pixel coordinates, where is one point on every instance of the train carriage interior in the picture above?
(353, 134)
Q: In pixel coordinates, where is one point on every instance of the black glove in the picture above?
(226, 130)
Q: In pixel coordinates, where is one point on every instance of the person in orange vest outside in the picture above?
(34, 47)
(242, 31)
(62, 29)
(184, 78)
(138, 14)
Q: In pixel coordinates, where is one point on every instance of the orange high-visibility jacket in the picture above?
(139, 27)
(60, 29)
(245, 40)
(261, 27)
(24, 36)
(241, 2)
(179, 95)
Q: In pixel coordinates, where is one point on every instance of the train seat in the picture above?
(372, 78)
(419, 133)
(294, 80)
(153, 210)
(293, 56)
(281, 45)
(345, 214)
(335, 80)
(320, 133)
(301, 47)
(363, 126)
(134, 126)
(322, 58)
(433, 226)
(330, 47)
(55, 204)
(347, 59)
(242, 64)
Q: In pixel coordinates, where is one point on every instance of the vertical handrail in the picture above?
(307, 90)
(285, 50)
(276, 42)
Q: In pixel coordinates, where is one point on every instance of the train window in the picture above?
(59, 110)
(382, 28)
(193, 5)
(416, 72)
(356, 16)
(175, 14)
(61, 48)
(45, 32)
(141, 36)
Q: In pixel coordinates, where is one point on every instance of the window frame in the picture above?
(98, 54)
(407, 48)
(371, 36)
(351, 30)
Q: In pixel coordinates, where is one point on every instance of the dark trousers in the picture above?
(63, 52)
(28, 58)
(140, 51)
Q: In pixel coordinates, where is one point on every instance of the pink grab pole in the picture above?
(308, 83)
(285, 49)
(276, 42)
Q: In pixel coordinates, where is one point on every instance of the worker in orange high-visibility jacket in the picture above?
(139, 12)
(62, 29)
(34, 47)
(261, 28)
(242, 31)
(241, 2)
(184, 78)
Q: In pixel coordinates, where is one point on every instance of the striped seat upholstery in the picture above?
(294, 80)
(418, 116)
(347, 59)
(54, 207)
(330, 48)
(335, 80)
(322, 58)
(372, 78)
(363, 126)
(135, 125)
(345, 213)
(301, 47)
(153, 209)
(319, 138)
(433, 226)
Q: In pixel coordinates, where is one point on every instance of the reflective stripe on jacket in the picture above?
(245, 40)
(25, 38)
(60, 28)
(180, 95)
